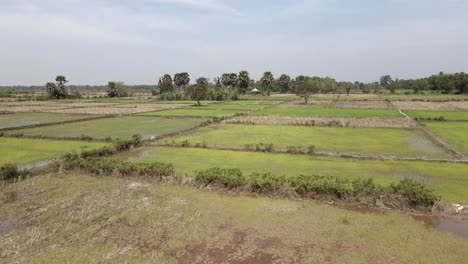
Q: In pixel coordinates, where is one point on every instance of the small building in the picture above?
(255, 91)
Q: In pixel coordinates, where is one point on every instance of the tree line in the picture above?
(230, 85)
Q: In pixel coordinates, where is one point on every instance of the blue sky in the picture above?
(95, 41)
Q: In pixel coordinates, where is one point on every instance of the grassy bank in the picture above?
(133, 221)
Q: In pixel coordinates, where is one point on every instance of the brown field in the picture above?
(321, 121)
(416, 105)
(84, 108)
(339, 104)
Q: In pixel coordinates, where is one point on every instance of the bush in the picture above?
(311, 150)
(307, 185)
(264, 147)
(230, 178)
(8, 172)
(267, 182)
(415, 192)
(101, 166)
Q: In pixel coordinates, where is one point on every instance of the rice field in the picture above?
(376, 141)
(116, 127)
(30, 119)
(24, 151)
(455, 133)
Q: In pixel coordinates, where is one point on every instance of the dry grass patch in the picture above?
(83, 219)
(416, 105)
(400, 122)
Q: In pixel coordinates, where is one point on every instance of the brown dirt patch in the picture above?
(202, 253)
(319, 121)
(442, 106)
(7, 225)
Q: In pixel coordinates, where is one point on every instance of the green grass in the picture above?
(192, 112)
(378, 141)
(28, 119)
(448, 115)
(24, 151)
(448, 179)
(131, 221)
(327, 112)
(119, 127)
(454, 132)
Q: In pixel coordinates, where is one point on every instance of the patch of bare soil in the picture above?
(361, 104)
(229, 253)
(321, 121)
(30, 108)
(7, 225)
(436, 106)
(310, 104)
(344, 96)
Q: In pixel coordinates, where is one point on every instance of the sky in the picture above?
(137, 41)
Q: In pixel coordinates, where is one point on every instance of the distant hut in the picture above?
(255, 91)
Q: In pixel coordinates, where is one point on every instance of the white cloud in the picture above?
(211, 5)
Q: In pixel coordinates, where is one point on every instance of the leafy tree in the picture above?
(229, 80)
(50, 88)
(420, 85)
(57, 90)
(461, 82)
(243, 81)
(199, 91)
(385, 80)
(165, 84)
(346, 86)
(181, 80)
(305, 87)
(284, 82)
(112, 89)
(266, 81)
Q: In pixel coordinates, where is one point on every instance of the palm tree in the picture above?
(385, 80)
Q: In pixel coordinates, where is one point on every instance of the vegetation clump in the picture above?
(9, 172)
(406, 192)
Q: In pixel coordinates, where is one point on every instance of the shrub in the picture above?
(101, 166)
(307, 185)
(230, 178)
(311, 150)
(415, 192)
(366, 187)
(185, 143)
(262, 147)
(267, 182)
(8, 172)
(86, 138)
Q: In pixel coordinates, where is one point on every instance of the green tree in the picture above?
(50, 88)
(199, 91)
(61, 91)
(243, 82)
(306, 87)
(346, 86)
(266, 81)
(165, 84)
(284, 82)
(385, 80)
(112, 89)
(420, 85)
(181, 80)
